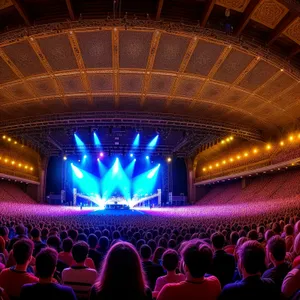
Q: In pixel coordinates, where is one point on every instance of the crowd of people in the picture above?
(148, 256)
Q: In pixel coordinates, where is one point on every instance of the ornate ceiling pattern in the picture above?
(143, 69)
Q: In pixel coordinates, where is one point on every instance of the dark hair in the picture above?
(82, 237)
(53, 241)
(145, 252)
(92, 240)
(20, 230)
(103, 243)
(46, 262)
(252, 235)
(277, 246)
(197, 257)
(289, 229)
(234, 237)
(22, 251)
(80, 251)
(73, 234)
(157, 255)
(121, 261)
(67, 244)
(218, 240)
(170, 260)
(35, 233)
(252, 256)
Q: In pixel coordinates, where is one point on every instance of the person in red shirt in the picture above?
(12, 279)
(197, 259)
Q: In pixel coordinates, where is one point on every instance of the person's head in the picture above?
(35, 233)
(197, 258)
(122, 269)
(72, 233)
(252, 235)
(80, 251)
(67, 245)
(103, 243)
(22, 251)
(45, 263)
(92, 241)
(20, 230)
(268, 234)
(289, 229)
(158, 252)
(53, 241)
(234, 236)
(251, 258)
(276, 249)
(145, 252)
(218, 240)
(170, 260)
(297, 244)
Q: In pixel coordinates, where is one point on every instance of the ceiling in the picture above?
(151, 65)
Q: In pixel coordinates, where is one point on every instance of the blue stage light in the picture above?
(96, 140)
(136, 141)
(153, 143)
(116, 166)
(78, 141)
(85, 156)
(76, 171)
(153, 172)
(147, 157)
(131, 154)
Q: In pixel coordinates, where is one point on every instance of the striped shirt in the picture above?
(81, 279)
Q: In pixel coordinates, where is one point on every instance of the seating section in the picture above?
(263, 188)
(10, 192)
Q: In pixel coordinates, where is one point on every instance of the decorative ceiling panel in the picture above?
(233, 65)
(104, 103)
(204, 57)
(96, 48)
(234, 97)
(288, 98)
(3, 97)
(238, 5)
(294, 110)
(6, 73)
(101, 82)
(134, 48)
(44, 86)
(34, 109)
(258, 75)
(170, 52)
(78, 103)
(129, 103)
(252, 103)
(24, 58)
(180, 106)
(5, 4)
(188, 87)
(131, 83)
(279, 119)
(161, 84)
(269, 13)
(19, 91)
(155, 104)
(276, 86)
(265, 110)
(54, 105)
(293, 31)
(212, 91)
(71, 84)
(58, 52)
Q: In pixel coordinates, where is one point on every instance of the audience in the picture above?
(197, 259)
(276, 249)
(79, 276)
(223, 264)
(252, 286)
(122, 276)
(12, 279)
(46, 289)
(152, 270)
(170, 261)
